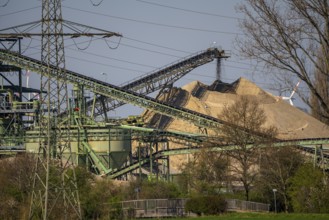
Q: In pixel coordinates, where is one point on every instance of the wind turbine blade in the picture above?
(291, 103)
(295, 89)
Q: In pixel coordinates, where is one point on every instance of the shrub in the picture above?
(207, 205)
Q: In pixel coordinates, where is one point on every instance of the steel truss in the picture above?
(157, 79)
(115, 92)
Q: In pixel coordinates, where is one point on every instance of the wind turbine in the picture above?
(289, 98)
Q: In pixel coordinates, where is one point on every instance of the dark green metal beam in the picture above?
(111, 91)
(304, 143)
(159, 78)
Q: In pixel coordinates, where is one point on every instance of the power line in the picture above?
(96, 4)
(16, 12)
(5, 4)
(156, 24)
(103, 64)
(127, 45)
(131, 46)
(116, 47)
(156, 45)
(148, 50)
(198, 75)
(139, 64)
(135, 47)
(187, 10)
(111, 58)
(143, 49)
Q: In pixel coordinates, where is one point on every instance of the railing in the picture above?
(154, 208)
(15, 106)
(240, 205)
(150, 208)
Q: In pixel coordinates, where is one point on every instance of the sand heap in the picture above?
(291, 122)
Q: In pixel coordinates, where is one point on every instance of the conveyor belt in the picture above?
(302, 144)
(157, 79)
(113, 91)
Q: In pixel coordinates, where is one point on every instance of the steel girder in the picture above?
(302, 143)
(111, 91)
(157, 79)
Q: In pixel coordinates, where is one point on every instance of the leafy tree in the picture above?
(16, 176)
(291, 38)
(98, 197)
(277, 167)
(310, 190)
(144, 189)
(207, 205)
(245, 125)
(205, 173)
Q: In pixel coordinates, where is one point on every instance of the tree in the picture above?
(322, 83)
(206, 173)
(245, 125)
(97, 203)
(16, 177)
(145, 189)
(277, 167)
(290, 37)
(310, 190)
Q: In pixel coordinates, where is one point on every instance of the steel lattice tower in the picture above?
(54, 160)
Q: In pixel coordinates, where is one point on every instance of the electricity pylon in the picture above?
(55, 193)
(49, 193)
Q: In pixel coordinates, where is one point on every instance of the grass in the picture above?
(258, 216)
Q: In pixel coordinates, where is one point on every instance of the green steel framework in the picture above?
(115, 92)
(157, 79)
(112, 91)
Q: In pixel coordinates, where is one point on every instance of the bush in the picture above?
(207, 205)
(151, 190)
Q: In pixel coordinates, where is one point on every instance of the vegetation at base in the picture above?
(306, 190)
(258, 216)
(206, 205)
(310, 190)
(299, 186)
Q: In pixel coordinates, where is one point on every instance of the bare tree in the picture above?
(322, 84)
(290, 37)
(247, 135)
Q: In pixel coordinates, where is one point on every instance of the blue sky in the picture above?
(155, 33)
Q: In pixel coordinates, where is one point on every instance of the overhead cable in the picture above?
(16, 12)
(84, 48)
(157, 45)
(5, 4)
(96, 4)
(187, 10)
(156, 24)
(113, 48)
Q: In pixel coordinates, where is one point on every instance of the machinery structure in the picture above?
(60, 128)
(77, 102)
(106, 147)
(86, 129)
